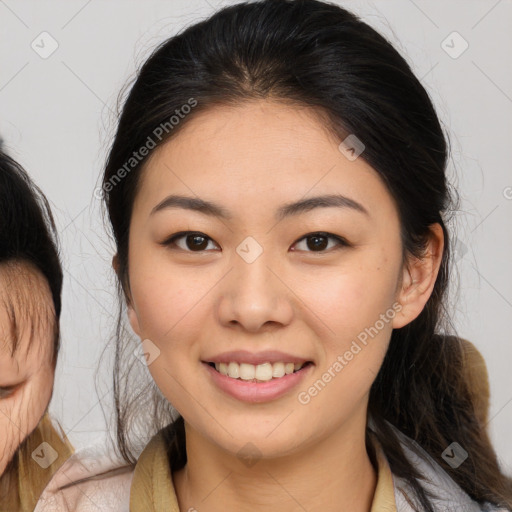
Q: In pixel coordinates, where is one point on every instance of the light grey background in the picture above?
(57, 118)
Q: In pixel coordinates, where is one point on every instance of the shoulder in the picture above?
(477, 379)
(447, 495)
(88, 481)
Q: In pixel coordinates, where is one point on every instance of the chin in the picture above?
(254, 445)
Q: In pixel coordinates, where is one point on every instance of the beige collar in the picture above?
(153, 490)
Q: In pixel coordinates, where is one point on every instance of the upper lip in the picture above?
(266, 356)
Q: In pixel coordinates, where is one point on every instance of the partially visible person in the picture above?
(32, 449)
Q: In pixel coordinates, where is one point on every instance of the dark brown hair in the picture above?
(28, 233)
(317, 54)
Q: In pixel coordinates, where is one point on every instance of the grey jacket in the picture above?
(449, 496)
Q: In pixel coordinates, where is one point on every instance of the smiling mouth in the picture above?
(258, 373)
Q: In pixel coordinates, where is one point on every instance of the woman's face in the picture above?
(26, 377)
(256, 286)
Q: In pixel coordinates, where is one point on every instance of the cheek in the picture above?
(352, 297)
(166, 300)
(168, 307)
(356, 304)
(31, 404)
(20, 414)
(9, 434)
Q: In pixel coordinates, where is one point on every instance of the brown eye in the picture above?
(318, 242)
(189, 241)
(194, 242)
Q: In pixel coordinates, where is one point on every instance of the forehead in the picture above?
(283, 151)
(26, 313)
(254, 136)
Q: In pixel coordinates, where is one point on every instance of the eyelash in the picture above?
(182, 234)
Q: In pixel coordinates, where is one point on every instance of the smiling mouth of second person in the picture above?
(258, 373)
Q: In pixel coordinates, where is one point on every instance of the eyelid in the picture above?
(8, 391)
(339, 239)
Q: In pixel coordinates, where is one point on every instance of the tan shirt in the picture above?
(153, 490)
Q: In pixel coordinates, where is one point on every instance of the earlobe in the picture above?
(419, 278)
(133, 319)
(115, 263)
(132, 314)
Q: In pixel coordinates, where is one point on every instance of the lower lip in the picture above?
(257, 392)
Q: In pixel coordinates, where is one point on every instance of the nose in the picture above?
(254, 296)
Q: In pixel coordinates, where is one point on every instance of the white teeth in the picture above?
(278, 370)
(261, 372)
(247, 371)
(234, 370)
(264, 371)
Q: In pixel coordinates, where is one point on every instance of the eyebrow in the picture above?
(287, 210)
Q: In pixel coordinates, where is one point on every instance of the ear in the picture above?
(419, 277)
(115, 263)
(133, 318)
(132, 314)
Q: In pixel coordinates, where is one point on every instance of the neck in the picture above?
(334, 474)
